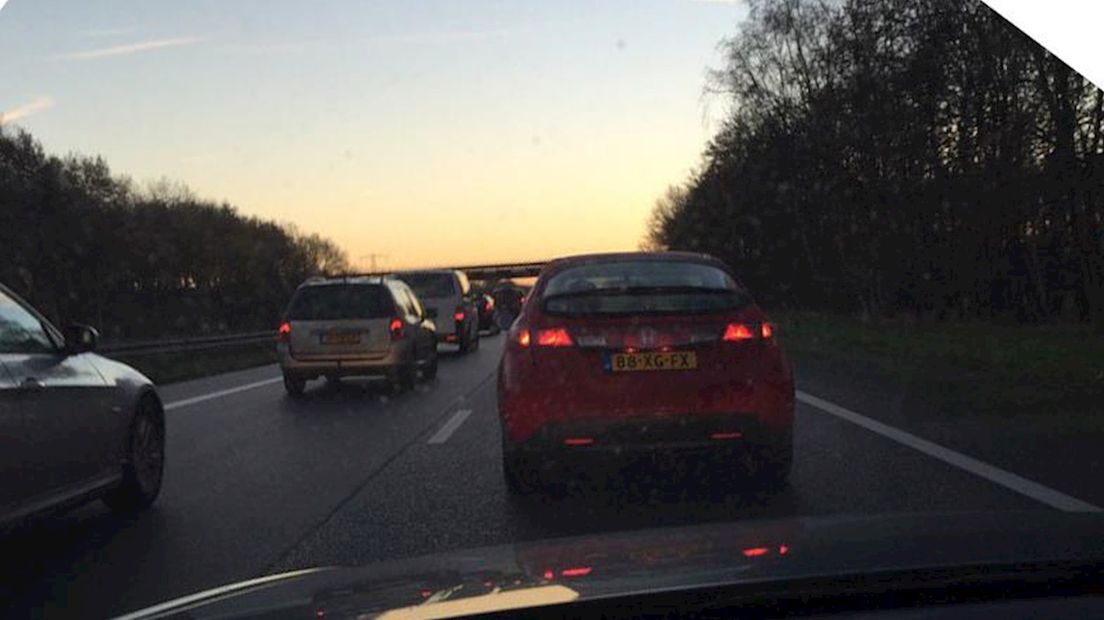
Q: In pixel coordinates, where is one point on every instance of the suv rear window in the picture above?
(328, 302)
(431, 284)
(643, 287)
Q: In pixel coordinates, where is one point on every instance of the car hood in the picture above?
(759, 553)
(118, 373)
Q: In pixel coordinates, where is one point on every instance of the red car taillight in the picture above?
(737, 332)
(556, 337)
(459, 314)
(283, 333)
(396, 328)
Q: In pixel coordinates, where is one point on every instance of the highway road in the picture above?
(257, 483)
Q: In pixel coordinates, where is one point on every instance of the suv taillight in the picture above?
(283, 333)
(459, 314)
(396, 328)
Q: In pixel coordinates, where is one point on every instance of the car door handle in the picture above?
(31, 384)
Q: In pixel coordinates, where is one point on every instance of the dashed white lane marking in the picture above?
(446, 431)
(996, 475)
(176, 404)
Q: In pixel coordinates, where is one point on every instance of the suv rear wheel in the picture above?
(295, 386)
(406, 377)
(466, 342)
(429, 371)
(469, 342)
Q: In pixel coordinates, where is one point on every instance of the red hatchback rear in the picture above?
(654, 352)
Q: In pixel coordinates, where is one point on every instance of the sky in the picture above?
(425, 133)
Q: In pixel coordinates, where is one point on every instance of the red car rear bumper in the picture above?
(542, 410)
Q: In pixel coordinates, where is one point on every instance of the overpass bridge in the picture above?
(500, 271)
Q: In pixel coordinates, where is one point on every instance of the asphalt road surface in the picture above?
(257, 483)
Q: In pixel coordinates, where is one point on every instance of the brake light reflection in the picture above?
(755, 552)
(723, 436)
(575, 571)
(578, 441)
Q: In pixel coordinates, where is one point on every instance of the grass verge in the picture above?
(964, 367)
(169, 367)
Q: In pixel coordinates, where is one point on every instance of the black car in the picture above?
(486, 305)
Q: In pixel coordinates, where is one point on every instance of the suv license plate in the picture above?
(340, 338)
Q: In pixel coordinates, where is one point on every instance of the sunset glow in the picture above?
(412, 135)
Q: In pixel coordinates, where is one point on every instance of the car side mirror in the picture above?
(81, 339)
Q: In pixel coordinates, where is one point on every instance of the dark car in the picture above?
(508, 301)
(966, 565)
(486, 306)
(74, 426)
(643, 352)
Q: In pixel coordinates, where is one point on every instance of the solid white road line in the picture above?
(176, 404)
(446, 431)
(1007, 479)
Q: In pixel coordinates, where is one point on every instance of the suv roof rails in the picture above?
(348, 278)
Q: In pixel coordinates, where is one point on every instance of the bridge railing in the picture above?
(474, 272)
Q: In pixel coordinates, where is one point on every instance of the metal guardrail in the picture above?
(178, 345)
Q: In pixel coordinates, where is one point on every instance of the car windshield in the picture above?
(340, 301)
(565, 299)
(431, 285)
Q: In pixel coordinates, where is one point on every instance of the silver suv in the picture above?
(367, 326)
(450, 302)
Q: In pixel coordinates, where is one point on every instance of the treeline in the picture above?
(883, 157)
(84, 245)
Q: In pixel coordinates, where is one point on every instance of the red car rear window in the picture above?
(642, 287)
(639, 274)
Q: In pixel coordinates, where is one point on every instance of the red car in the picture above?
(638, 352)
